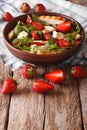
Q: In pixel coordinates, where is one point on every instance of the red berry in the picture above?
(28, 71)
(41, 86)
(47, 36)
(78, 72)
(35, 35)
(28, 19)
(39, 7)
(9, 86)
(7, 16)
(25, 7)
(38, 26)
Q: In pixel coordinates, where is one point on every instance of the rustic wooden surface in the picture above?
(81, 2)
(64, 108)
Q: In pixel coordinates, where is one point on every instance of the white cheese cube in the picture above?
(22, 34)
(54, 35)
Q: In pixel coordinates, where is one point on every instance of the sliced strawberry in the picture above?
(64, 43)
(35, 35)
(64, 27)
(37, 43)
(38, 26)
(47, 36)
(28, 19)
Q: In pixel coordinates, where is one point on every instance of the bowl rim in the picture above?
(42, 55)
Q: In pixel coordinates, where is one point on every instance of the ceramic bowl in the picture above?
(43, 58)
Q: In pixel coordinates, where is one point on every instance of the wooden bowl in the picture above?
(42, 58)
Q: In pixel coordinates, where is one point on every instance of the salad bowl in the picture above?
(45, 57)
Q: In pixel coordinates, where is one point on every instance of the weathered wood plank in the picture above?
(27, 107)
(82, 2)
(83, 96)
(4, 99)
(62, 109)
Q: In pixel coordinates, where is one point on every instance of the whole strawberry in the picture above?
(28, 71)
(78, 72)
(9, 86)
(39, 7)
(25, 7)
(7, 16)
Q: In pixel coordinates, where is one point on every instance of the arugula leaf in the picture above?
(52, 47)
(70, 38)
(26, 48)
(40, 33)
(76, 27)
(23, 40)
(51, 40)
(31, 28)
(19, 28)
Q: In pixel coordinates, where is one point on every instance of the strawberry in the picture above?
(42, 86)
(35, 35)
(47, 36)
(78, 72)
(37, 43)
(39, 7)
(38, 26)
(64, 43)
(7, 16)
(28, 20)
(64, 27)
(24, 7)
(9, 86)
(56, 76)
(28, 71)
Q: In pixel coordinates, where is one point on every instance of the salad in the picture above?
(45, 34)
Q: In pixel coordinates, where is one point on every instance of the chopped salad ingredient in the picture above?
(56, 38)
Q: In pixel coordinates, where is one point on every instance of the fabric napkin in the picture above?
(77, 12)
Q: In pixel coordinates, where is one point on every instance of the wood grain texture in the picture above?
(26, 107)
(81, 2)
(4, 99)
(83, 96)
(62, 109)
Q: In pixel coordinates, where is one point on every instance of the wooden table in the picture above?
(63, 108)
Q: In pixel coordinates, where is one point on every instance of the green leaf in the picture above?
(70, 38)
(34, 48)
(31, 28)
(40, 33)
(26, 48)
(53, 47)
(51, 40)
(76, 27)
(19, 28)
